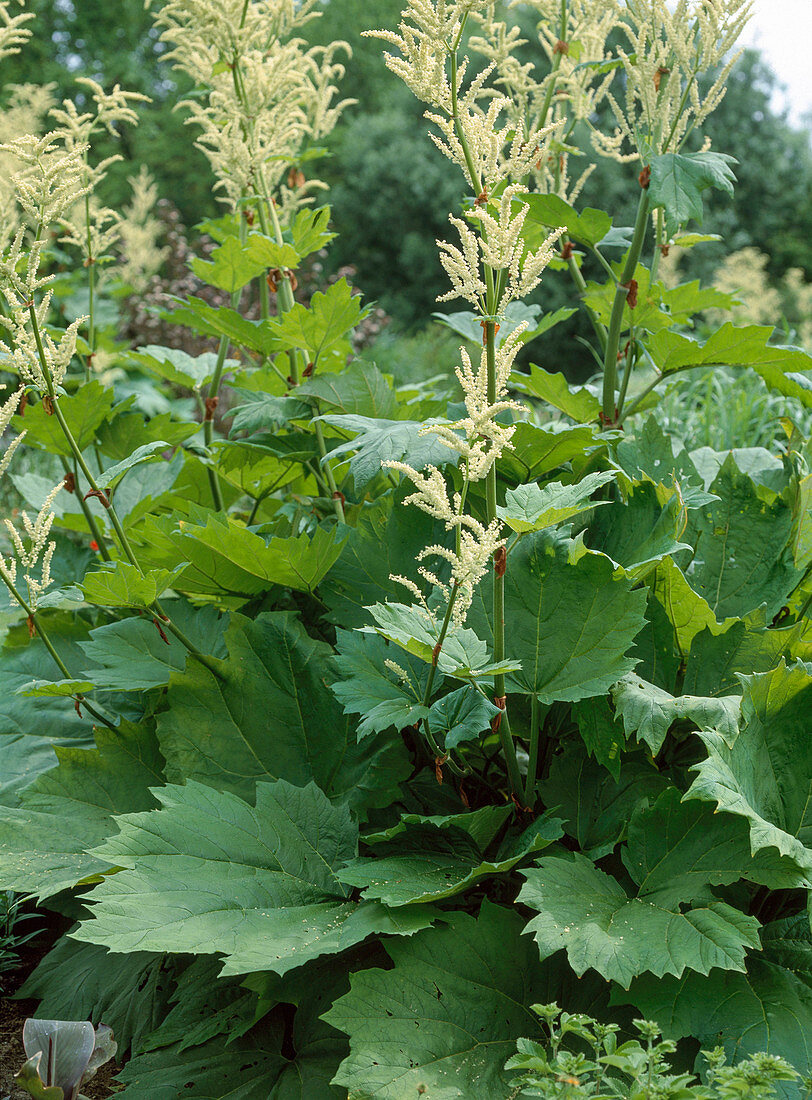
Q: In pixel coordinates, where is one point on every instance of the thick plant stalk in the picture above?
(502, 723)
(213, 396)
(533, 762)
(439, 755)
(610, 412)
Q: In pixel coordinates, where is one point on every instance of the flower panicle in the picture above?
(50, 178)
(268, 94)
(499, 245)
(32, 550)
(669, 47)
(23, 350)
(14, 29)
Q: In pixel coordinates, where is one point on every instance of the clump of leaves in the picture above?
(12, 935)
(638, 1068)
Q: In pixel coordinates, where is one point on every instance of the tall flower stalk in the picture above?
(268, 98)
(489, 268)
(52, 178)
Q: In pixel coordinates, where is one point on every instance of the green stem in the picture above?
(556, 63)
(616, 320)
(476, 182)
(213, 395)
(632, 409)
(607, 267)
(580, 282)
(90, 519)
(627, 373)
(188, 644)
(658, 241)
(208, 421)
(91, 284)
(435, 748)
(35, 622)
(338, 503)
(533, 763)
(508, 747)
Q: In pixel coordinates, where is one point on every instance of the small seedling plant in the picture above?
(352, 721)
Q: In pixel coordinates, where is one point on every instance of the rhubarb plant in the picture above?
(346, 722)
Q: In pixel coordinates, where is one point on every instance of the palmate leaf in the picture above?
(271, 714)
(210, 1029)
(676, 849)
(588, 913)
(427, 862)
(263, 412)
(320, 327)
(210, 874)
(572, 620)
(198, 315)
(757, 462)
(310, 230)
(241, 1071)
(653, 454)
(481, 825)
(534, 507)
(44, 843)
(596, 806)
(782, 368)
(447, 1017)
(658, 307)
(688, 612)
(376, 441)
(112, 475)
(469, 324)
(463, 654)
(125, 433)
(298, 562)
(638, 533)
(678, 180)
(648, 712)
(743, 541)
(84, 411)
(538, 451)
(130, 655)
(385, 541)
(223, 558)
(600, 730)
(788, 942)
(204, 1006)
(462, 715)
(54, 719)
(589, 227)
(767, 1009)
(741, 647)
(375, 692)
(178, 367)
(235, 263)
(119, 584)
(765, 776)
(577, 402)
(257, 1066)
(360, 390)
